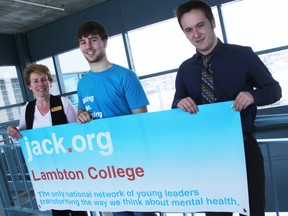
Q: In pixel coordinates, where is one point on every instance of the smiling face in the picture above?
(93, 48)
(39, 84)
(199, 31)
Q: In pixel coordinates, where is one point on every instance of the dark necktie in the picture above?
(207, 84)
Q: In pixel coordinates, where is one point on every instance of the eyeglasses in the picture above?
(42, 80)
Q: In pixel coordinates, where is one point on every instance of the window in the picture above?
(159, 47)
(116, 51)
(73, 65)
(10, 87)
(10, 93)
(162, 46)
(277, 63)
(160, 91)
(262, 31)
(254, 23)
(218, 29)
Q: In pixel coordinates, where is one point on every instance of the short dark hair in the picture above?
(91, 28)
(191, 5)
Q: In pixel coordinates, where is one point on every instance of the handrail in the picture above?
(271, 121)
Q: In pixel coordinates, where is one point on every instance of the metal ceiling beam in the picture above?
(40, 5)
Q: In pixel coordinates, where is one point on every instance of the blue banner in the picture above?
(167, 161)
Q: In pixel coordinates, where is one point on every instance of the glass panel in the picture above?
(73, 61)
(218, 29)
(73, 64)
(9, 114)
(277, 63)
(10, 87)
(116, 51)
(159, 47)
(49, 63)
(162, 46)
(160, 91)
(10, 93)
(256, 23)
(74, 99)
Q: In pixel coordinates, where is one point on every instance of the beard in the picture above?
(95, 59)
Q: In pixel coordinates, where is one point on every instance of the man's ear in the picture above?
(105, 41)
(213, 23)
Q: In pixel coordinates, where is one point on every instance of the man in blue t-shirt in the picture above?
(108, 89)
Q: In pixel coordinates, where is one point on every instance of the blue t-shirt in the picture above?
(113, 92)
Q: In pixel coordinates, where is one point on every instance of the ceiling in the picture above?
(16, 16)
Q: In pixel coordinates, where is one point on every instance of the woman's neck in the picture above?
(43, 104)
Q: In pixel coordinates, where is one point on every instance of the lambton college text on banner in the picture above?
(168, 161)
